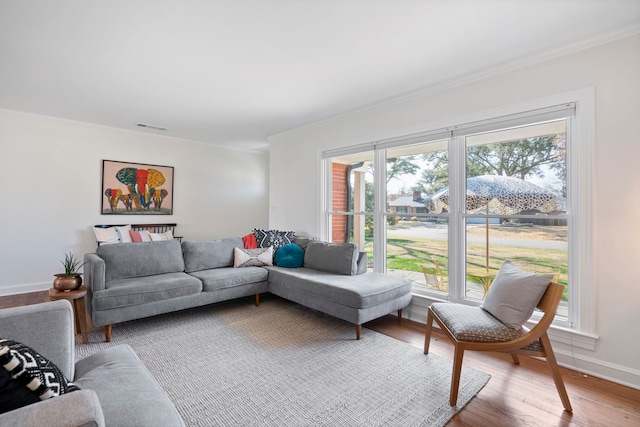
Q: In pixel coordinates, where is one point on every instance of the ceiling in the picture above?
(233, 72)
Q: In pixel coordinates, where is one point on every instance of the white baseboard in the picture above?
(584, 365)
(25, 289)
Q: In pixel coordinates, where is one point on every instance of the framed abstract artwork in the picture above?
(136, 189)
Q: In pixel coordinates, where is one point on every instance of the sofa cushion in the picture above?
(332, 257)
(229, 277)
(142, 290)
(129, 394)
(27, 377)
(141, 259)
(358, 291)
(206, 254)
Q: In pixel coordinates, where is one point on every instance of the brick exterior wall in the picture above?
(339, 201)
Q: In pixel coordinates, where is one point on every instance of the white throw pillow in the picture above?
(514, 294)
(252, 257)
(106, 236)
(123, 233)
(157, 237)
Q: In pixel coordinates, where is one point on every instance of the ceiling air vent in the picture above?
(148, 126)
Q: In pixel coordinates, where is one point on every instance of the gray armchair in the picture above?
(115, 387)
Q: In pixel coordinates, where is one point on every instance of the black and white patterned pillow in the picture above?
(273, 238)
(26, 377)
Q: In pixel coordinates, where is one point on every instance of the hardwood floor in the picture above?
(525, 395)
(516, 395)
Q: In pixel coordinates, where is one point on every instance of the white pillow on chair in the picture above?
(514, 294)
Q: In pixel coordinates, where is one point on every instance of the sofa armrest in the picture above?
(79, 408)
(47, 328)
(94, 272)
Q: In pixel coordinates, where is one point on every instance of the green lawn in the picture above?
(412, 254)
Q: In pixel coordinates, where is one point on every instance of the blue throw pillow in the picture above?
(290, 256)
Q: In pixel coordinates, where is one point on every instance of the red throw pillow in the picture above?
(140, 236)
(250, 241)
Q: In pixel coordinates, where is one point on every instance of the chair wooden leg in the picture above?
(257, 300)
(400, 316)
(515, 358)
(358, 330)
(427, 332)
(455, 376)
(555, 372)
(107, 333)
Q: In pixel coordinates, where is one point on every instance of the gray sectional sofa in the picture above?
(135, 280)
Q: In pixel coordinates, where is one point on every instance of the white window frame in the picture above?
(579, 329)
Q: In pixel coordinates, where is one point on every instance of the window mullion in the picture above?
(379, 214)
(326, 194)
(456, 223)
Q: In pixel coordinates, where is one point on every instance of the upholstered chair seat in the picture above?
(468, 323)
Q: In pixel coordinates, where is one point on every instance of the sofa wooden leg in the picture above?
(399, 316)
(257, 300)
(358, 330)
(107, 333)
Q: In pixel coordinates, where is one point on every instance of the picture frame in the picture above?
(136, 189)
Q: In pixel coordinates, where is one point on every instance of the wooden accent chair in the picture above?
(472, 328)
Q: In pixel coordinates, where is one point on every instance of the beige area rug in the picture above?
(281, 364)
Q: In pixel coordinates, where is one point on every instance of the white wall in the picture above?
(612, 70)
(50, 180)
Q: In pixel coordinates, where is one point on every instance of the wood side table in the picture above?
(76, 298)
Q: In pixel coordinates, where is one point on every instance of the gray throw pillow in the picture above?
(514, 294)
(362, 263)
(332, 257)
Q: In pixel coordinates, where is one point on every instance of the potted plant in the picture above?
(70, 279)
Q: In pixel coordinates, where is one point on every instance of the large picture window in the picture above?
(445, 208)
